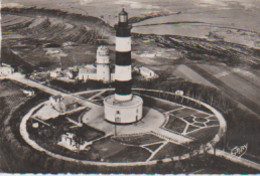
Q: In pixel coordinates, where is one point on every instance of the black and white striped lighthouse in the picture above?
(123, 107)
(123, 70)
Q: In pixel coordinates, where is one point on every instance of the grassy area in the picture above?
(159, 105)
(212, 123)
(13, 144)
(105, 148)
(185, 112)
(114, 151)
(204, 134)
(191, 128)
(11, 95)
(174, 98)
(130, 154)
(175, 124)
(170, 150)
(8, 57)
(138, 140)
(188, 119)
(77, 86)
(153, 147)
(202, 116)
(88, 95)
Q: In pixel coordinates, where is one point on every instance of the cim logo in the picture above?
(239, 151)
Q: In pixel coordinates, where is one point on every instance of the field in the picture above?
(37, 35)
(246, 85)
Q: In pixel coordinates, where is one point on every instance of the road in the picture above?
(20, 78)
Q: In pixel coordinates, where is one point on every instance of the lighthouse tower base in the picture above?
(123, 112)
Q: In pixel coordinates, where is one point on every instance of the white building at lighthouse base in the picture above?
(123, 112)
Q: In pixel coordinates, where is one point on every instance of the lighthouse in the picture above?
(103, 62)
(123, 107)
(123, 71)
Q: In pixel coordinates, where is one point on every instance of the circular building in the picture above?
(123, 112)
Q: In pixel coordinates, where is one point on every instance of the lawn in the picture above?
(175, 124)
(201, 115)
(130, 154)
(204, 134)
(138, 140)
(184, 112)
(175, 98)
(188, 119)
(170, 150)
(191, 128)
(105, 148)
(211, 123)
(159, 105)
(199, 124)
(154, 146)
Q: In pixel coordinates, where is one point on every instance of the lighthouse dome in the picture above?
(123, 16)
(123, 12)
